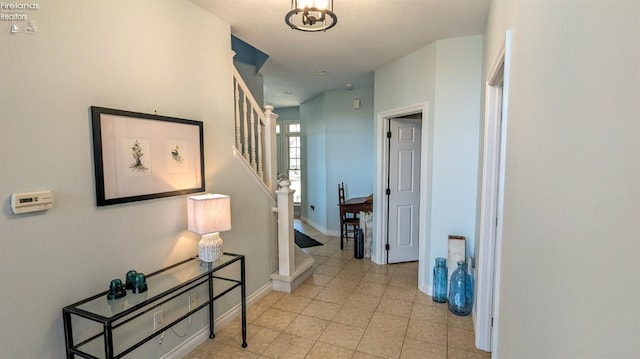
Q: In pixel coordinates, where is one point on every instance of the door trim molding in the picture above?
(485, 311)
(380, 204)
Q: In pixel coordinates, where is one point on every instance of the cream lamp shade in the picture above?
(209, 214)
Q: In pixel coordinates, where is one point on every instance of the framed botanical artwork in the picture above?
(140, 156)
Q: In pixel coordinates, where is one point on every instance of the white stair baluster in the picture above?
(237, 113)
(260, 170)
(245, 144)
(253, 141)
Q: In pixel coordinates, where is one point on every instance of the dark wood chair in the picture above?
(349, 221)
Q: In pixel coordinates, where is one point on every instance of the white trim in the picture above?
(483, 310)
(492, 196)
(503, 156)
(323, 230)
(302, 270)
(202, 335)
(425, 190)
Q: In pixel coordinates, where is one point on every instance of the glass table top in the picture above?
(157, 284)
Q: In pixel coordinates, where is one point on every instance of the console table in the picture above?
(99, 322)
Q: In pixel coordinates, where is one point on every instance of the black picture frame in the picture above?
(140, 156)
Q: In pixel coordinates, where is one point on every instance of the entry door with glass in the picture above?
(289, 155)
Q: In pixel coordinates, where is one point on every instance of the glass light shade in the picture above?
(209, 214)
(311, 15)
(318, 4)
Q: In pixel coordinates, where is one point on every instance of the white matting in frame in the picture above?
(140, 156)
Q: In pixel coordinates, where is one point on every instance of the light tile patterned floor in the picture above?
(350, 308)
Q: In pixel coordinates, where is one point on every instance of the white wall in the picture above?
(350, 151)
(338, 147)
(571, 247)
(314, 163)
(446, 75)
(165, 56)
(406, 81)
(288, 113)
(456, 129)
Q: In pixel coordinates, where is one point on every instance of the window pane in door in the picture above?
(294, 127)
(294, 164)
(294, 177)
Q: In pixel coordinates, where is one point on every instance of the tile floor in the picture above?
(350, 308)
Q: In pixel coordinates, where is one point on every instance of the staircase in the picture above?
(255, 135)
(256, 150)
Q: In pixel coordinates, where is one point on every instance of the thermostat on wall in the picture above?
(31, 201)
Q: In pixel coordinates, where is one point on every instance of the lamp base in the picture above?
(210, 247)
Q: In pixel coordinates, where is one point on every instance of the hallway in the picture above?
(350, 308)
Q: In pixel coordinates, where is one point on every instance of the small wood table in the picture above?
(354, 205)
(357, 204)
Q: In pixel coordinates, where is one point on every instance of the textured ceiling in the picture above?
(368, 35)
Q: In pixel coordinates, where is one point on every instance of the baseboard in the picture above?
(202, 335)
(320, 228)
(303, 270)
(426, 288)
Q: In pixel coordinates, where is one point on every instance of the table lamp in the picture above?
(209, 214)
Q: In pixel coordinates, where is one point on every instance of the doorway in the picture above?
(403, 184)
(289, 144)
(423, 212)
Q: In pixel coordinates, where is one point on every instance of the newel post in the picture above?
(286, 249)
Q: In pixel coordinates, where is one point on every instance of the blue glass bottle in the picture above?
(457, 291)
(468, 291)
(440, 272)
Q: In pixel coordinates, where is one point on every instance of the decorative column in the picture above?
(293, 268)
(286, 249)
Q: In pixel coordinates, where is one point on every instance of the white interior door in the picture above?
(404, 190)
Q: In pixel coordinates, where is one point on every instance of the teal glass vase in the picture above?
(468, 290)
(440, 272)
(458, 300)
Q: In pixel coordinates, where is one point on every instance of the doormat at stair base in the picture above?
(304, 241)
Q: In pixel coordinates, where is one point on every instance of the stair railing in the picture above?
(256, 149)
(255, 133)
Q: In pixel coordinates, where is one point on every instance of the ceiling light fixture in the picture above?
(311, 15)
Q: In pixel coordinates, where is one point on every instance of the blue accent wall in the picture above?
(247, 54)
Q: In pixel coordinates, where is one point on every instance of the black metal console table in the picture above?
(97, 321)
